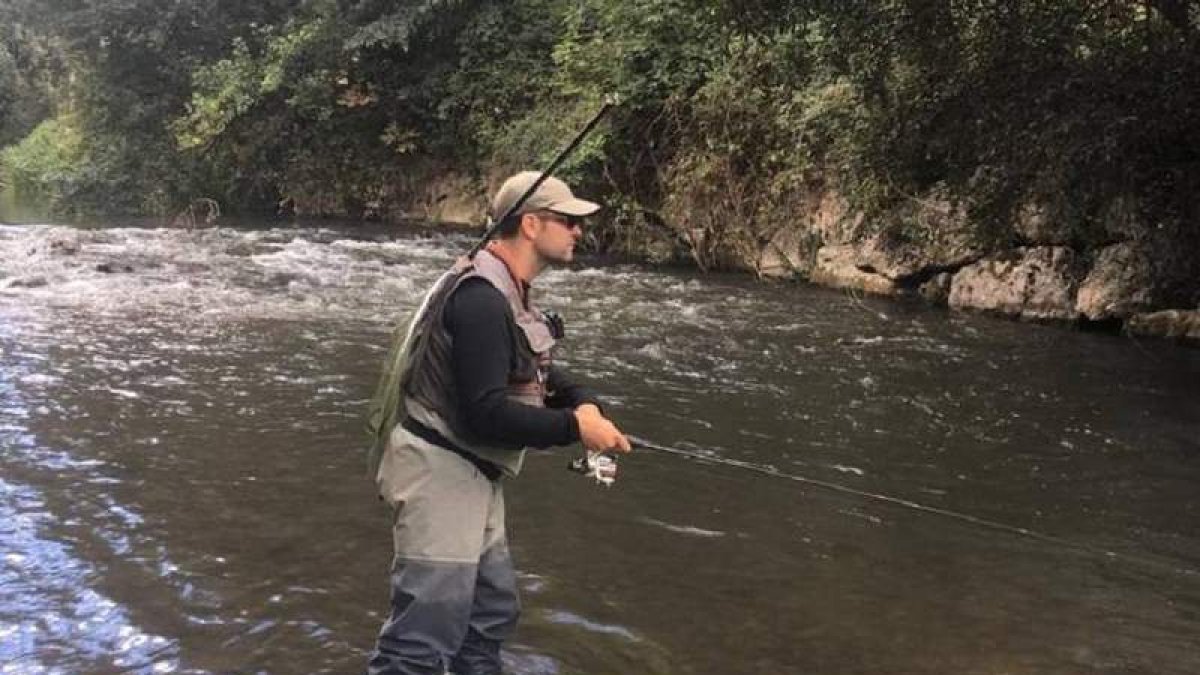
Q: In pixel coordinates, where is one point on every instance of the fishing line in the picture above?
(768, 470)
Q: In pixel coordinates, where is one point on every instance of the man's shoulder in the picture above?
(479, 290)
(475, 301)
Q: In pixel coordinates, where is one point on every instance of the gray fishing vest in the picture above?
(429, 394)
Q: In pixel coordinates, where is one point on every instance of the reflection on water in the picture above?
(15, 209)
(51, 615)
(182, 488)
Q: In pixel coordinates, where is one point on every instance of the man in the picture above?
(478, 386)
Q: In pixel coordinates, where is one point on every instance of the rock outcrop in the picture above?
(1119, 284)
(1030, 283)
(838, 266)
(931, 251)
(889, 261)
(885, 264)
(907, 262)
(791, 251)
(785, 255)
(451, 198)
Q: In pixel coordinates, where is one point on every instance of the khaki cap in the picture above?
(551, 195)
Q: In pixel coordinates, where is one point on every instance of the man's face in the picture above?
(555, 236)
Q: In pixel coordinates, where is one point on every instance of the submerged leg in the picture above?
(496, 606)
(431, 607)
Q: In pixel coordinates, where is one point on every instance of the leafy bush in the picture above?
(46, 166)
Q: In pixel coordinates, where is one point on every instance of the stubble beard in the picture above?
(562, 257)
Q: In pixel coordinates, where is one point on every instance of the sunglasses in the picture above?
(569, 222)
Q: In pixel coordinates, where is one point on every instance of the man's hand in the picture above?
(597, 433)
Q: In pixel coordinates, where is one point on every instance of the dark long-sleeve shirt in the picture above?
(479, 320)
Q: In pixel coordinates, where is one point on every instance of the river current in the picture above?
(183, 488)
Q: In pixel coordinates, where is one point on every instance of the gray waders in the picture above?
(454, 595)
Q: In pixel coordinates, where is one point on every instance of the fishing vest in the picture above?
(420, 381)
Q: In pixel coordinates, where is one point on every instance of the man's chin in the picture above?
(558, 258)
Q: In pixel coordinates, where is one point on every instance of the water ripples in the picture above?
(182, 488)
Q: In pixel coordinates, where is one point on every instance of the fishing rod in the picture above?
(610, 102)
(768, 470)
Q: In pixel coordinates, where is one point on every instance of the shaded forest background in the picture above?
(738, 117)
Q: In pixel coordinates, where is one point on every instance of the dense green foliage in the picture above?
(45, 164)
(28, 68)
(735, 117)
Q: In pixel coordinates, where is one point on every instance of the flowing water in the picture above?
(182, 482)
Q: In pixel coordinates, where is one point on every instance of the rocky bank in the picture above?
(1142, 284)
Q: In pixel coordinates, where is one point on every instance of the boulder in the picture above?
(889, 256)
(1030, 283)
(785, 254)
(1170, 323)
(932, 237)
(815, 217)
(1119, 284)
(927, 236)
(451, 198)
(113, 268)
(901, 260)
(837, 266)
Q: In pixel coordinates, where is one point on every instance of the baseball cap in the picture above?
(551, 195)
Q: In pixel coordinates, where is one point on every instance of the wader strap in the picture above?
(431, 436)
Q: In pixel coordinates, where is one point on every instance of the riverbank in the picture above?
(1135, 281)
(1029, 161)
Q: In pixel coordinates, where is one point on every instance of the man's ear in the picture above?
(530, 226)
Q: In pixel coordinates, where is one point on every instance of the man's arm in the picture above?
(596, 432)
(477, 317)
(565, 393)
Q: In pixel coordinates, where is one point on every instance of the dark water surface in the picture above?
(182, 487)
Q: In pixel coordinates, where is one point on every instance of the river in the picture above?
(183, 490)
